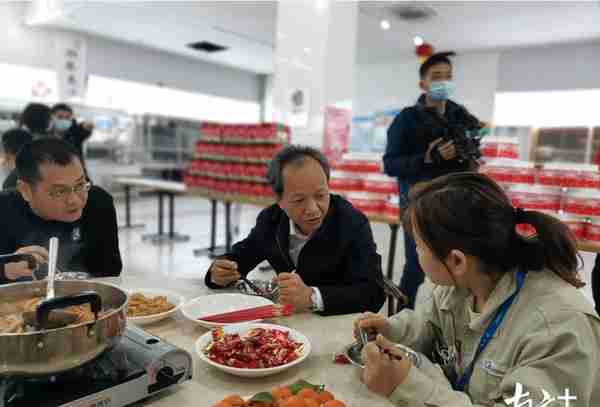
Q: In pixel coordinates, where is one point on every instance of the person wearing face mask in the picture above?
(416, 150)
(66, 127)
(320, 246)
(12, 141)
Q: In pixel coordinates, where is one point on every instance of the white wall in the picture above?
(22, 45)
(560, 67)
(385, 85)
(393, 84)
(479, 75)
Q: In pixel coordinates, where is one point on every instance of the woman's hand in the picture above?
(383, 372)
(373, 324)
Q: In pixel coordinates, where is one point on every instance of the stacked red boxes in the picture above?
(231, 159)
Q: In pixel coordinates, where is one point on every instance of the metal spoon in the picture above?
(52, 257)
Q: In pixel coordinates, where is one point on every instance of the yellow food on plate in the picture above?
(141, 305)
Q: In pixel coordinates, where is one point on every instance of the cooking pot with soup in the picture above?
(29, 351)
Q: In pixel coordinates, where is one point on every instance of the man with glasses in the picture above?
(54, 198)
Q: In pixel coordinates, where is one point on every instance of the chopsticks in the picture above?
(253, 286)
(250, 314)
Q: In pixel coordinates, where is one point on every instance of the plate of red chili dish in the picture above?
(253, 349)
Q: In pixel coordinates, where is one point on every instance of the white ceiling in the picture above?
(248, 27)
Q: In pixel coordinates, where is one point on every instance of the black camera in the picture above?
(465, 135)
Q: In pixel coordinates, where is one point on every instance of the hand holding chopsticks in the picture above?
(224, 272)
(385, 367)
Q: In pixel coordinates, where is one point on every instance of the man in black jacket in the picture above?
(320, 246)
(67, 128)
(417, 149)
(54, 198)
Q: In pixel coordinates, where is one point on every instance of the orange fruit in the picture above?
(334, 403)
(281, 393)
(222, 404)
(294, 401)
(325, 396)
(234, 401)
(308, 394)
(311, 403)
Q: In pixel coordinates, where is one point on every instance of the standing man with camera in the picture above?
(435, 137)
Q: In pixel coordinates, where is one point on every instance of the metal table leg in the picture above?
(128, 224)
(390, 266)
(228, 237)
(213, 250)
(161, 237)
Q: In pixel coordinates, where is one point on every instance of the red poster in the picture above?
(337, 132)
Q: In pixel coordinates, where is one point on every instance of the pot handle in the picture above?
(16, 257)
(85, 297)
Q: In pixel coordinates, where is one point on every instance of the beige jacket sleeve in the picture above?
(551, 358)
(414, 328)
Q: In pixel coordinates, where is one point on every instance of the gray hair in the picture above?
(292, 154)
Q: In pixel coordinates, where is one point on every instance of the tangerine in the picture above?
(294, 401)
(334, 403)
(325, 396)
(234, 401)
(311, 403)
(308, 394)
(281, 393)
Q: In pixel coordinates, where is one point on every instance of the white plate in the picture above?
(218, 304)
(242, 329)
(172, 297)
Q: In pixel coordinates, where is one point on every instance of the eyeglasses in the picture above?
(63, 192)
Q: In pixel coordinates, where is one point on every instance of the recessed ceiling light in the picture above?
(307, 50)
(418, 41)
(385, 25)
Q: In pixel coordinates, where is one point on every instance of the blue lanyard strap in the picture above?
(489, 333)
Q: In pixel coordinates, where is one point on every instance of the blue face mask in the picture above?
(441, 90)
(62, 124)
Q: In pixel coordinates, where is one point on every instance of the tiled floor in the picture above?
(193, 218)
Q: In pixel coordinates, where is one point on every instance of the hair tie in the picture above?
(520, 216)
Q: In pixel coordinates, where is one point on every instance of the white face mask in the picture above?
(62, 124)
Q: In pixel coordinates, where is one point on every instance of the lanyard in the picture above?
(489, 333)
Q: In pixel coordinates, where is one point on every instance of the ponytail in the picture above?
(553, 247)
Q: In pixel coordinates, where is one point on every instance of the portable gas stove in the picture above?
(140, 366)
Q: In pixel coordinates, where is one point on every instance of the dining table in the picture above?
(328, 335)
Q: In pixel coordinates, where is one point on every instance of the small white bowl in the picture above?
(242, 330)
(218, 304)
(172, 297)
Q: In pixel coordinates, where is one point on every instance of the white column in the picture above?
(315, 49)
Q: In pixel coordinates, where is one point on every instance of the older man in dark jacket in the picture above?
(320, 246)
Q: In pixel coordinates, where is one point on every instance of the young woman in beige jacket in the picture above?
(506, 324)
